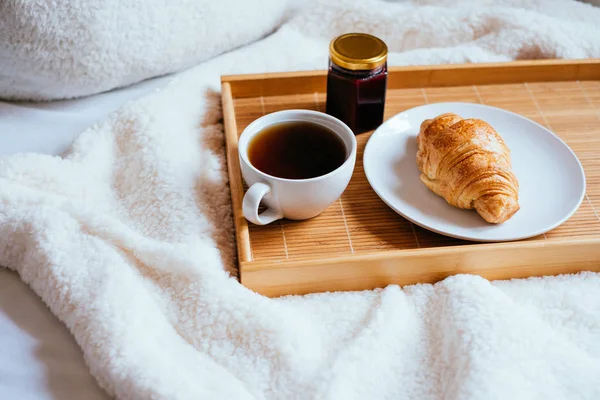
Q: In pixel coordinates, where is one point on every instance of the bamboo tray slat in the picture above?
(360, 243)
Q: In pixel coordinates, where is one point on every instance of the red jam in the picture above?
(357, 80)
(357, 97)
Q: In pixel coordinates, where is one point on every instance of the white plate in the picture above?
(551, 179)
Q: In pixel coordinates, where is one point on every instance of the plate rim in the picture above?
(474, 238)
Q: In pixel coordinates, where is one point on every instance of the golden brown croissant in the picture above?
(467, 163)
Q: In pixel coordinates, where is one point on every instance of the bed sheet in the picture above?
(39, 359)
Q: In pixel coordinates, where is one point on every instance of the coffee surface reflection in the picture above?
(296, 150)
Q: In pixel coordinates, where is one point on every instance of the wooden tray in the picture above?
(359, 243)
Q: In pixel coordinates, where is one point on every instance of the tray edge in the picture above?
(379, 269)
(236, 187)
(443, 75)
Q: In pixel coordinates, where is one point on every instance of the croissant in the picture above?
(467, 163)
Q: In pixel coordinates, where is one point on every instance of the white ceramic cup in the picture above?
(295, 199)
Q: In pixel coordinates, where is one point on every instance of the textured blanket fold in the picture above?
(129, 241)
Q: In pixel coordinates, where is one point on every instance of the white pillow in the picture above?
(54, 49)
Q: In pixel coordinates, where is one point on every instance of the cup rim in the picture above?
(300, 112)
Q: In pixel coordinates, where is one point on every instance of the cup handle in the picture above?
(251, 202)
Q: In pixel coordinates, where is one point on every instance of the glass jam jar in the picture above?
(357, 80)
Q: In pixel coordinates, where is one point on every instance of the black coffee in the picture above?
(296, 150)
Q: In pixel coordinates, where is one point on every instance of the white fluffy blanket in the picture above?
(129, 241)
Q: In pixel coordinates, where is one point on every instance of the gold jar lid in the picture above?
(358, 51)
